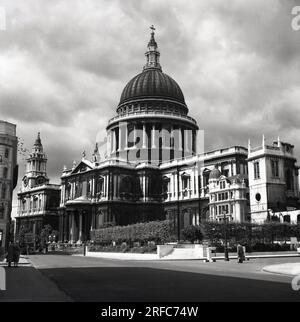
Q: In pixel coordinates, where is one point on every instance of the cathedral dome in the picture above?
(152, 83)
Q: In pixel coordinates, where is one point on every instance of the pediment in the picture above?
(83, 166)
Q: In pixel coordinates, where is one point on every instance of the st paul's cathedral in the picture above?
(152, 169)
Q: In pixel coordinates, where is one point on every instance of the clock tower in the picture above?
(38, 199)
(36, 174)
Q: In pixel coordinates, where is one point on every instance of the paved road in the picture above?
(91, 279)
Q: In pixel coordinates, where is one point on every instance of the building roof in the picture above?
(152, 83)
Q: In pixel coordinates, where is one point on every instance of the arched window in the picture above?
(298, 219)
(185, 181)
(289, 179)
(23, 204)
(287, 218)
(68, 191)
(166, 187)
(99, 185)
(78, 188)
(205, 175)
(35, 202)
(5, 171)
(126, 187)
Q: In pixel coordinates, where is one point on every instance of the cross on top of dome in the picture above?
(152, 54)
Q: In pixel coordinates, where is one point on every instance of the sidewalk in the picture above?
(215, 256)
(27, 284)
(284, 269)
(23, 262)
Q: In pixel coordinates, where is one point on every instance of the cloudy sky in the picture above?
(63, 65)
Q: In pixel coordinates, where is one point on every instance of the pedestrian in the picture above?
(240, 253)
(10, 252)
(16, 254)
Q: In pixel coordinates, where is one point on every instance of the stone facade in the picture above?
(273, 179)
(150, 168)
(8, 176)
(38, 200)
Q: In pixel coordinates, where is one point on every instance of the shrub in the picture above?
(2, 254)
(123, 249)
(155, 231)
(192, 233)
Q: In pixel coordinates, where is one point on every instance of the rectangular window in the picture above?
(2, 211)
(256, 170)
(225, 172)
(275, 168)
(5, 170)
(6, 153)
(3, 192)
(23, 205)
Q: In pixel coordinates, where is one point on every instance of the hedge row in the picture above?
(163, 231)
(157, 231)
(267, 232)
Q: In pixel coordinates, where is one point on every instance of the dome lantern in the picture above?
(152, 54)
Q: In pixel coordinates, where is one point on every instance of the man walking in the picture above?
(240, 253)
(10, 254)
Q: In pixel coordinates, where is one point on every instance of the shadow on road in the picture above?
(125, 284)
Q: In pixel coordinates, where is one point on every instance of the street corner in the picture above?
(291, 269)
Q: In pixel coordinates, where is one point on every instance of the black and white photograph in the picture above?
(149, 154)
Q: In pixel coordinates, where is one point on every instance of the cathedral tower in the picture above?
(36, 174)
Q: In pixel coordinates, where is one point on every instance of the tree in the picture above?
(44, 235)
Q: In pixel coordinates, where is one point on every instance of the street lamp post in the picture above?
(225, 238)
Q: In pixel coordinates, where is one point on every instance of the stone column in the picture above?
(192, 184)
(163, 136)
(126, 137)
(115, 186)
(120, 138)
(153, 137)
(144, 187)
(186, 140)
(144, 136)
(180, 139)
(72, 191)
(172, 138)
(197, 181)
(134, 135)
(93, 192)
(104, 187)
(72, 227)
(107, 185)
(113, 138)
(80, 227)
